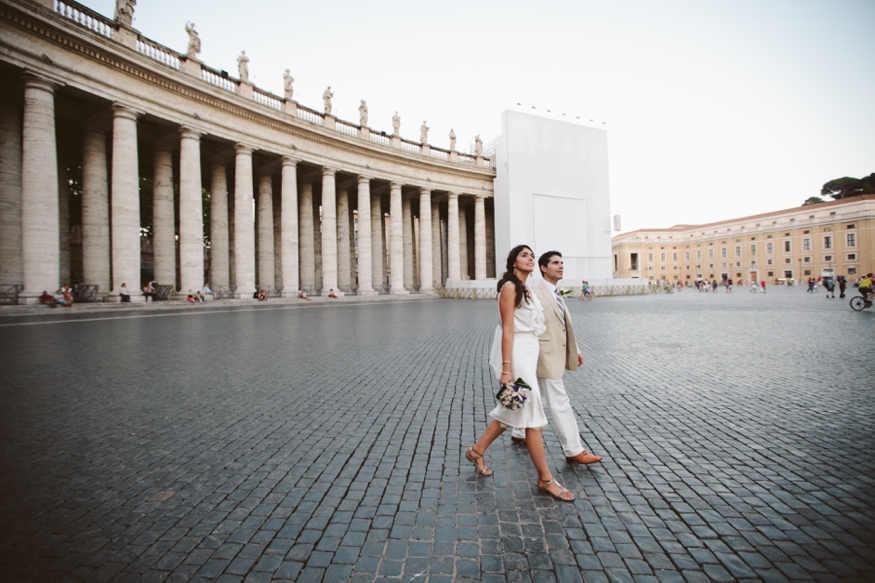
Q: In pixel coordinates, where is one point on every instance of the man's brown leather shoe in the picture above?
(520, 440)
(584, 457)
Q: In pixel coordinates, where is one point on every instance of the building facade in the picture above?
(809, 241)
(297, 198)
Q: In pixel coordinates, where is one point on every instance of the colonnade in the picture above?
(291, 239)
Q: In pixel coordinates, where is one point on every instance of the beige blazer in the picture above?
(558, 348)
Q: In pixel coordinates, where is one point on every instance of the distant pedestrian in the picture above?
(843, 283)
(124, 294)
(763, 284)
(829, 286)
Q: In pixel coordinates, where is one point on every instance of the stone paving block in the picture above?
(708, 440)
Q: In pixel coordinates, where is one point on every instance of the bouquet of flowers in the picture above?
(514, 395)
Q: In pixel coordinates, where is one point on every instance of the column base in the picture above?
(399, 292)
(369, 292)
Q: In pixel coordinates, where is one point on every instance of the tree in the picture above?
(844, 187)
(812, 200)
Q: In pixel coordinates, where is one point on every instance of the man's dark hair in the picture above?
(544, 260)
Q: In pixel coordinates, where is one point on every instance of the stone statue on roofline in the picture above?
(326, 99)
(243, 66)
(194, 41)
(423, 133)
(124, 11)
(452, 140)
(287, 84)
(478, 146)
(363, 114)
(396, 124)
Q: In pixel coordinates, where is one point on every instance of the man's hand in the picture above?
(579, 359)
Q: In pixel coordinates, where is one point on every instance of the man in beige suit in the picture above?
(558, 352)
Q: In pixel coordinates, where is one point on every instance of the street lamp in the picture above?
(800, 271)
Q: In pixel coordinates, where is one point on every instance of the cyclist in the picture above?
(866, 289)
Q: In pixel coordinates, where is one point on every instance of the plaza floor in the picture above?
(323, 442)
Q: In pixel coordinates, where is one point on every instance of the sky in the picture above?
(714, 109)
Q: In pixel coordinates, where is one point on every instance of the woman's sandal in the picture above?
(477, 459)
(565, 495)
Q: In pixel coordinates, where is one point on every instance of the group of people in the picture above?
(535, 343)
(585, 291)
(62, 297)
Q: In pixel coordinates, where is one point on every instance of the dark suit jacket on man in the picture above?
(558, 348)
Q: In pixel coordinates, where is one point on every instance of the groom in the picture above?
(558, 351)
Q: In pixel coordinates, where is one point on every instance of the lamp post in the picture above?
(800, 271)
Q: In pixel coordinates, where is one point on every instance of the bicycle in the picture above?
(859, 303)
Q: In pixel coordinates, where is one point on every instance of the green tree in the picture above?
(812, 200)
(844, 187)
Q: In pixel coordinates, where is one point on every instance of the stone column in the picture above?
(464, 270)
(479, 237)
(191, 212)
(343, 252)
(95, 211)
(454, 265)
(278, 239)
(307, 238)
(490, 244)
(377, 255)
(396, 239)
(244, 230)
(264, 208)
(407, 233)
(426, 275)
(318, 260)
(125, 203)
(329, 232)
(365, 273)
(219, 243)
(11, 269)
(63, 222)
(436, 245)
(163, 221)
(39, 191)
(289, 229)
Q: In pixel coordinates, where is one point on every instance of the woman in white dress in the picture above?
(514, 356)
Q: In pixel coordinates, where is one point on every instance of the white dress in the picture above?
(528, 324)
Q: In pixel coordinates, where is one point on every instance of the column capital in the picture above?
(191, 133)
(33, 80)
(393, 185)
(289, 161)
(363, 179)
(424, 190)
(452, 195)
(328, 171)
(242, 149)
(124, 111)
(479, 197)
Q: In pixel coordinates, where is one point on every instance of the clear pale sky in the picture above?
(714, 109)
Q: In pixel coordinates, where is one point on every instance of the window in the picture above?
(633, 261)
(662, 257)
(851, 239)
(770, 248)
(662, 268)
(674, 256)
(787, 260)
(770, 262)
(650, 257)
(806, 244)
(807, 272)
(852, 256)
(771, 274)
(698, 254)
(738, 250)
(686, 256)
(723, 253)
(753, 249)
(788, 273)
(806, 260)
(852, 270)
(616, 263)
(710, 254)
(827, 257)
(827, 241)
(787, 247)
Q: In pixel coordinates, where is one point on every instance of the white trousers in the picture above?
(564, 421)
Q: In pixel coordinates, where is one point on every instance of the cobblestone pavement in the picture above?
(324, 442)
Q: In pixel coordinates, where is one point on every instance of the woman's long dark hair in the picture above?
(510, 276)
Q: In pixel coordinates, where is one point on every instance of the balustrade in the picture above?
(346, 128)
(310, 115)
(267, 99)
(157, 52)
(86, 17)
(409, 146)
(380, 139)
(218, 79)
(442, 154)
